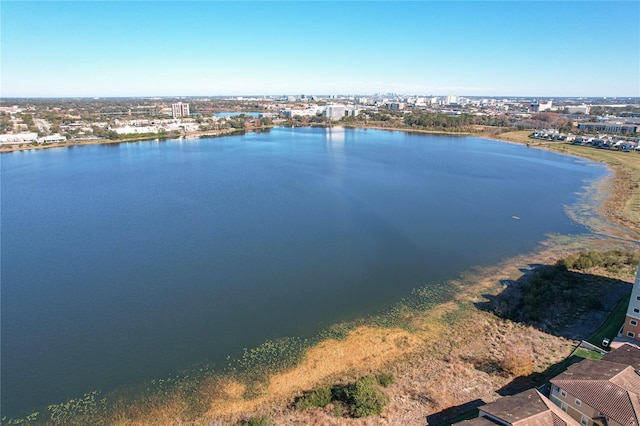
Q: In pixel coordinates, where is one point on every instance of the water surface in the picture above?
(127, 262)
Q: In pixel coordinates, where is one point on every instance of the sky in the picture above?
(217, 48)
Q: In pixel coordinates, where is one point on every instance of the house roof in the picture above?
(611, 388)
(529, 408)
(478, 421)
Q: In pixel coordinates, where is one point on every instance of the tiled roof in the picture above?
(529, 408)
(625, 354)
(608, 387)
(516, 407)
(478, 421)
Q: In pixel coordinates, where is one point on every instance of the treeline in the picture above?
(462, 122)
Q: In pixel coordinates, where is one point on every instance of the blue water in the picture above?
(122, 263)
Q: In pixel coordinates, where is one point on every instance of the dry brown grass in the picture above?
(517, 360)
(366, 347)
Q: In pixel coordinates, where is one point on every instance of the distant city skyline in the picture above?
(202, 48)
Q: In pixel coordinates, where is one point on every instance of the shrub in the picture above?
(360, 399)
(318, 398)
(517, 361)
(257, 421)
(366, 398)
(385, 379)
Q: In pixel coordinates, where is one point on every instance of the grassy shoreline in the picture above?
(412, 342)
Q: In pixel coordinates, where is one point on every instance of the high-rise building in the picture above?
(335, 112)
(179, 110)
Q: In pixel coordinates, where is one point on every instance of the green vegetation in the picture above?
(82, 411)
(609, 329)
(385, 379)
(320, 397)
(270, 357)
(614, 261)
(446, 122)
(257, 421)
(587, 354)
(363, 398)
(551, 297)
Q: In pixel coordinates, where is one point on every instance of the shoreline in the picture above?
(5, 149)
(370, 348)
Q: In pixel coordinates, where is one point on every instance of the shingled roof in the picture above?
(529, 408)
(626, 354)
(611, 388)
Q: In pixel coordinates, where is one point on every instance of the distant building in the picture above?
(179, 110)
(396, 106)
(140, 110)
(540, 106)
(579, 109)
(608, 127)
(18, 138)
(451, 99)
(128, 130)
(335, 112)
(55, 138)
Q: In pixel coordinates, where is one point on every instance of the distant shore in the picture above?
(621, 200)
(209, 133)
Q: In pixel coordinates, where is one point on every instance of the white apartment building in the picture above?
(579, 109)
(18, 138)
(451, 99)
(179, 110)
(335, 112)
(540, 106)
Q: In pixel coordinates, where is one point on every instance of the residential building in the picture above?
(55, 138)
(540, 106)
(451, 99)
(179, 110)
(528, 408)
(579, 109)
(631, 327)
(598, 392)
(128, 130)
(335, 112)
(18, 138)
(626, 354)
(608, 127)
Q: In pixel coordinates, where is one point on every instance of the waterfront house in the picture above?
(599, 392)
(529, 408)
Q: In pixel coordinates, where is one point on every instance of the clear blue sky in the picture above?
(165, 48)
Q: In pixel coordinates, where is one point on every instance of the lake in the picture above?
(127, 262)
